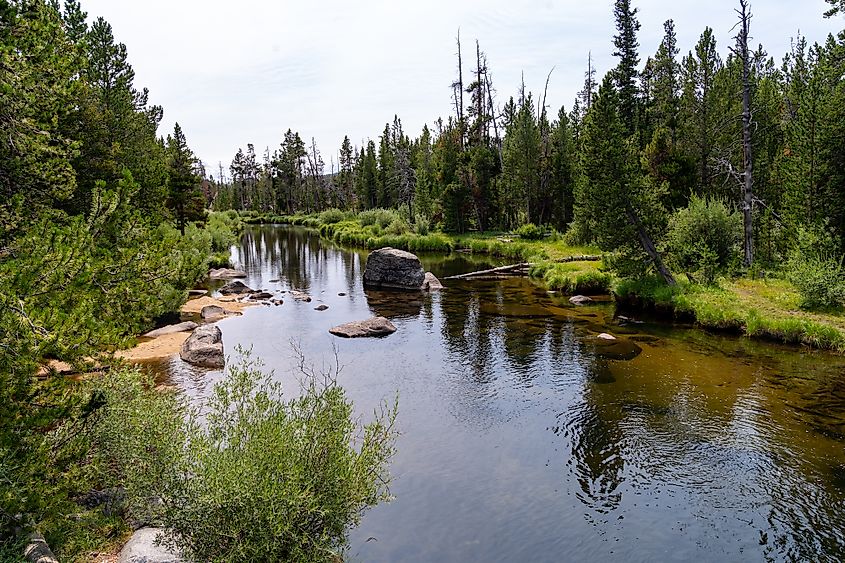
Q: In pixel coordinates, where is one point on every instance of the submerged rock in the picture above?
(235, 288)
(394, 269)
(376, 326)
(143, 548)
(609, 347)
(300, 295)
(187, 326)
(431, 283)
(204, 347)
(226, 274)
(580, 300)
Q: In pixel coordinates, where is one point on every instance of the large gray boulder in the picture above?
(142, 548)
(204, 348)
(235, 287)
(580, 300)
(186, 326)
(376, 326)
(395, 269)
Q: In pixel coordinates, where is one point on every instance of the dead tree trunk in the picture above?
(648, 244)
(748, 181)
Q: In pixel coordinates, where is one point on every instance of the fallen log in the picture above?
(521, 268)
(512, 268)
(37, 550)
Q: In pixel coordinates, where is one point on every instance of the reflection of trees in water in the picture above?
(593, 429)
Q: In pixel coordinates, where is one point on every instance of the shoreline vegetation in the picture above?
(765, 308)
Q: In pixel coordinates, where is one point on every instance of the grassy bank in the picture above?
(766, 309)
(380, 228)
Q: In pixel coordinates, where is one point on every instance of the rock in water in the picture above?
(171, 329)
(321, 307)
(300, 296)
(204, 348)
(580, 300)
(142, 548)
(376, 326)
(260, 295)
(431, 283)
(392, 268)
(226, 274)
(609, 347)
(235, 287)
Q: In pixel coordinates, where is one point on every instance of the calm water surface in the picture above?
(519, 444)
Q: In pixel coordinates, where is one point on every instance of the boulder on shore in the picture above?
(204, 348)
(235, 288)
(142, 548)
(226, 274)
(395, 269)
(212, 312)
(431, 283)
(376, 326)
(186, 326)
(580, 300)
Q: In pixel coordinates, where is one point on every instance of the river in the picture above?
(518, 443)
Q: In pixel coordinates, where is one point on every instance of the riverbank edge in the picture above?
(715, 309)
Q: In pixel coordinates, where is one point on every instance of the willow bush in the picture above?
(253, 476)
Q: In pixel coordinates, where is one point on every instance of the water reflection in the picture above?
(521, 443)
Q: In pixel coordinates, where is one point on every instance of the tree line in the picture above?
(759, 135)
(97, 240)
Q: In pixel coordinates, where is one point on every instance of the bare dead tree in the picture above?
(741, 51)
(458, 91)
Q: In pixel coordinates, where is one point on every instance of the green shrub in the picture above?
(256, 477)
(421, 225)
(398, 227)
(703, 238)
(330, 216)
(381, 217)
(530, 231)
(224, 228)
(819, 280)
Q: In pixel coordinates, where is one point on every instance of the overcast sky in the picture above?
(233, 73)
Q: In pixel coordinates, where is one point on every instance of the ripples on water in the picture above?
(519, 444)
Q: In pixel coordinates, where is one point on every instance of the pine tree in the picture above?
(699, 118)
(185, 198)
(665, 83)
(625, 75)
(563, 171)
(614, 200)
(345, 178)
